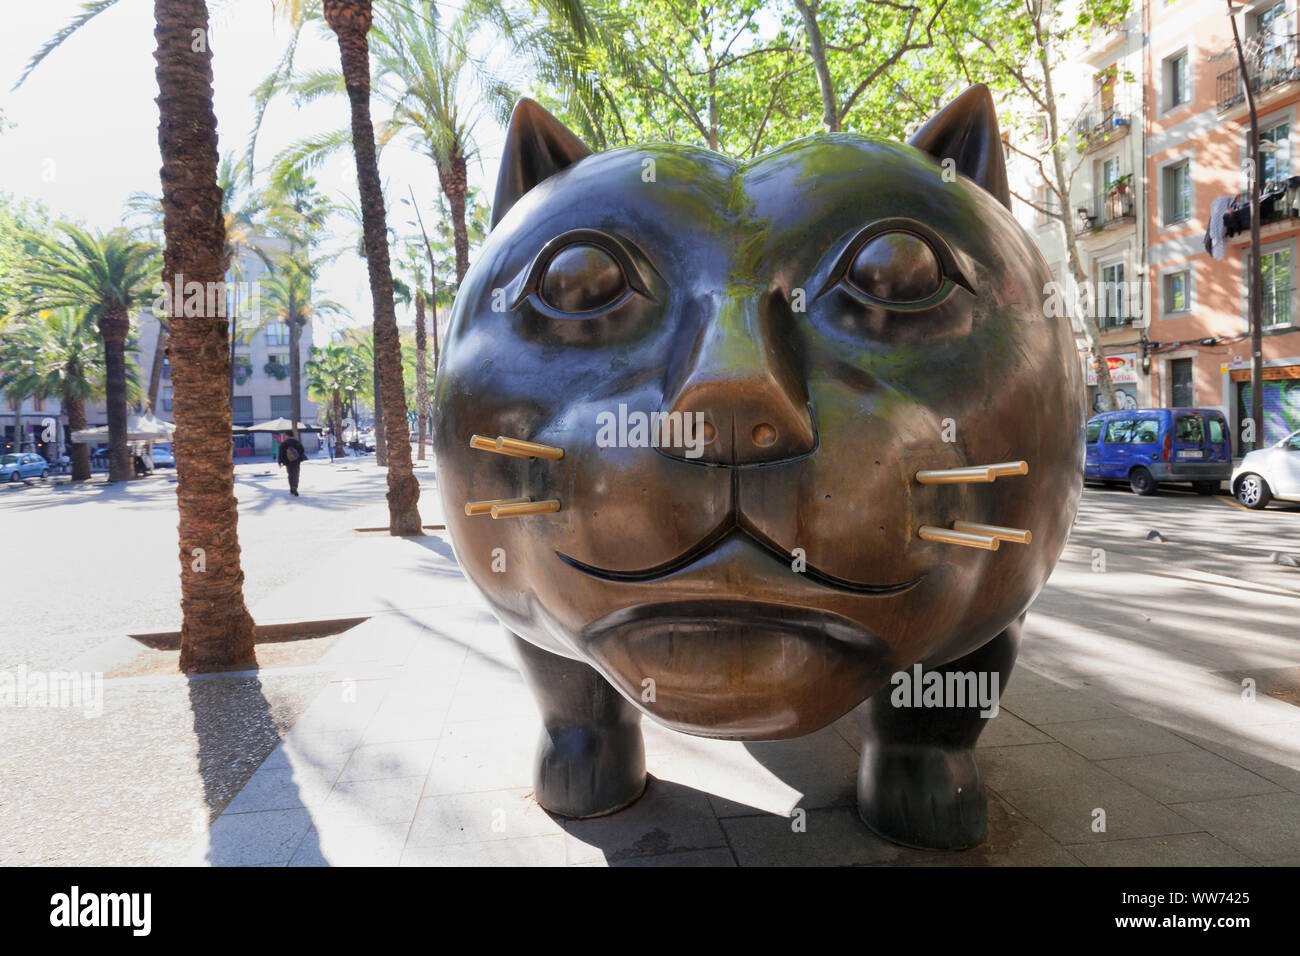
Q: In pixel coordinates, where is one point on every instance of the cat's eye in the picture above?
(581, 278)
(896, 267)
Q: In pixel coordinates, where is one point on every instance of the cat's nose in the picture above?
(742, 384)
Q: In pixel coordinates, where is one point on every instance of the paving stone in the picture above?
(685, 858)
(1265, 826)
(480, 818)
(1110, 737)
(1187, 776)
(484, 755)
(365, 802)
(833, 837)
(352, 846)
(244, 839)
(1008, 730)
(407, 758)
(281, 790)
(1182, 849)
(668, 818)
(1057, 706)
(1033, 766)
(526, 851)
(1067, 813)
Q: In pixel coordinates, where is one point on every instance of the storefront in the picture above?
(1281, 399)
(1123, 375)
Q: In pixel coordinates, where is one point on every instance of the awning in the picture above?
(280, 425)
(138, 428)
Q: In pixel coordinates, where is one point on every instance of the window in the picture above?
(1093, 433)
(1178, 79)
(1217, 432)
(1119, 431)
(1180, 383)
(1176, 292)
(1043, 200)
(1178, 192)
(1145, 432)
(1190, 429)
(166, 369)
(277, 333)
(281, 406)
(1111, 295)
(1275, 164)
(38, 403)
(1276, 274)
(1104, 83)
(167, 400)
(12, 403)
(241, 408)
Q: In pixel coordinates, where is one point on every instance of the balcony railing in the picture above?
(1271, 61)
(1104, 209)
(1103, 124)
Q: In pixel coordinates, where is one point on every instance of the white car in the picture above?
(1269, 473)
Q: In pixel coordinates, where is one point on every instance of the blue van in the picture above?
(1148, 447)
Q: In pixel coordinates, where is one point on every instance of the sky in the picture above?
(83, 128)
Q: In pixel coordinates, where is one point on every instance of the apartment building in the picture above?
(1197, 143)
(1100, 112)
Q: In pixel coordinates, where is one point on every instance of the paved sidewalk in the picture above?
(418, 750)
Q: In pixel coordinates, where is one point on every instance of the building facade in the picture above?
(1197, 147)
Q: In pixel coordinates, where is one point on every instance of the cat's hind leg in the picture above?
(918, 783)
(591, 757)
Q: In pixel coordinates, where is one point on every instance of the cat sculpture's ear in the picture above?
(966, 131)
(537, 146)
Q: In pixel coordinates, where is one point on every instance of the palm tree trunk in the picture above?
(216, 628)
(77, 451)
(350, 20)
(155, 373)
(381, 446)
(421, 371)
(113, 326)
(338, 421)
(453, 178)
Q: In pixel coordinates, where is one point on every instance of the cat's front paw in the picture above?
(589, 772)
(925, 797)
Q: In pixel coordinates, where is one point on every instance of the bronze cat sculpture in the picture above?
(864, 455)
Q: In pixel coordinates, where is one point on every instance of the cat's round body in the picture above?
(837, 315)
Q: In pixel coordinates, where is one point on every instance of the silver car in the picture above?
(1269, 473)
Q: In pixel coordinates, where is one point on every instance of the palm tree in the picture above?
(350, 20)
(217, 629)
(57, 354)
(415, 264)
(106, 276)
(240, 208)
(332, 373)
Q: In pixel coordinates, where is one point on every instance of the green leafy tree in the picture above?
(334, 376)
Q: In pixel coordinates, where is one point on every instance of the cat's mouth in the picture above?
(739, 531)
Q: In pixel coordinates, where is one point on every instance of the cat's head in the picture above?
(841, 314)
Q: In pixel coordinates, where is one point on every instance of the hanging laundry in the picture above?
(1214, 234)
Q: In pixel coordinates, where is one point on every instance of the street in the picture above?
(1128, 696)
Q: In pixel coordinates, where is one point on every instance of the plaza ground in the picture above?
(409, 741)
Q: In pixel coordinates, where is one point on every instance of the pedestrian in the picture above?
(291, 455)
(329, 444)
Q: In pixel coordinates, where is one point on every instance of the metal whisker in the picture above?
(972, 474)
(984, 542)
(516, 448)
(549, 506)
(485, 507)
(1014, 535)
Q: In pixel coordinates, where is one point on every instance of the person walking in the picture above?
(291, 455)
(329, 444)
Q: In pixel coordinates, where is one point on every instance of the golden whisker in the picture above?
(549, 506)
(515, 447)
(1007, 469)
(518, 446)
(485, 507)
(965, 538)
(1014, 535)
(489, 444)
(972, 473)
(956, 476)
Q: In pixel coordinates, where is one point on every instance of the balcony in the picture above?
(1103, 125)
(1271, 61)
(1104, 212)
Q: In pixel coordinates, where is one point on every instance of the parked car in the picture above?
(1269, 473)
(162, 456)
(15, 466)
(1148, 447)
